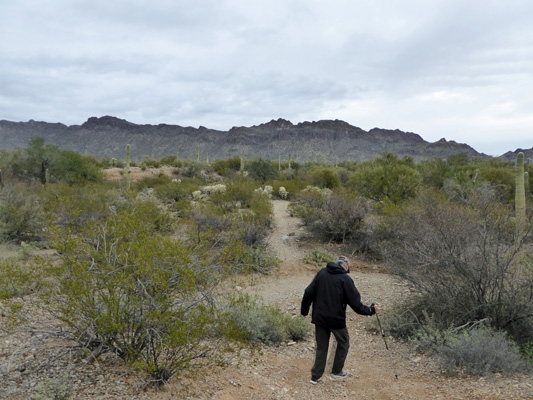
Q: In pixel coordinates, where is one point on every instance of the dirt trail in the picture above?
(284, 372)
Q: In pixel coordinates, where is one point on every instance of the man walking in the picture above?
(329, 293)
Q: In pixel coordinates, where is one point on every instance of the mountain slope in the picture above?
(327, 139)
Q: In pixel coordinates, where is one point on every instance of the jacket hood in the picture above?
(334, 268)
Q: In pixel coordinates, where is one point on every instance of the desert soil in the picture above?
(281, 372)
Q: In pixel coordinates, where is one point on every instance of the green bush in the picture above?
(19, 278)
(318, 257)
(239, 194)
(262, 170)
(75, 205)
(298, 328)
(75, 168)
(22, 216)
(483, 351)
(386, 178)
(125, 287)
(237, 257)
(227, 166)
(338, 217)
(266, 324)
(324, 177)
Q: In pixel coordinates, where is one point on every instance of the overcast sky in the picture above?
(457, 69)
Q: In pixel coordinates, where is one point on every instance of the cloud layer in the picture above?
(446, 68)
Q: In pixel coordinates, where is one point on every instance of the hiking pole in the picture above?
(387, 346)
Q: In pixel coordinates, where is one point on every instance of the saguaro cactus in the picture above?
(520, 195)
(526, 183)
(128, 170)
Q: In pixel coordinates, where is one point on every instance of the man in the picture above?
(329, 293)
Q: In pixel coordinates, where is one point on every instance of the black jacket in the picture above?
(329, 293)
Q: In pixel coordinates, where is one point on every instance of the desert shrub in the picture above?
(386, 178)
(22, 217)
(318, 257)
(238, 258)
(209, 224)
(482, 351)
(74, 205)
(292, 186)
(39, 159)
(338, 217)
(308, 201)
(167, 189)
(411, 322)
(239, 193)
(126, 288)
(218, 220)
(75, 168)
(324, 177)
(227, 166)
(54, 389)
(152, 181)
(169, 192)
(266, 191)
(19, 278)
(265, 324)
(170, 160)
(251, 231)
(193, 169)
(298, 328)
(464, 260)
(433, 172)
(261, 170)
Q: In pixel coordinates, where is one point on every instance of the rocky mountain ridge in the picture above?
(331, 140)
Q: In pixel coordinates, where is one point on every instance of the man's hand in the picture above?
(375, 307)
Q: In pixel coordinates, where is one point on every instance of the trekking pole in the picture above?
(387, 346)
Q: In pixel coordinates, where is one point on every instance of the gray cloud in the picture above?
(447, 68)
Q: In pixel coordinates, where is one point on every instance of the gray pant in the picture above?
(322, 335)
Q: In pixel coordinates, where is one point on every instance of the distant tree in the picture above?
(39, 157)
(386, 178)
(262, 170)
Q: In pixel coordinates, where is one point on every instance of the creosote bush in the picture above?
(127, 288)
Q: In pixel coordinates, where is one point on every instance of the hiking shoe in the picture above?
(341, 374)
(314, 381)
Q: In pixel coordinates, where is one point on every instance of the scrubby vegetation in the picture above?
(142, 264)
